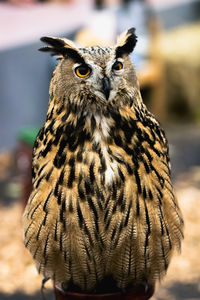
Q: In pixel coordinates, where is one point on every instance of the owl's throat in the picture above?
(99, 126)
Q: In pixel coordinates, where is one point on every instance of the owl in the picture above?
(102, 216)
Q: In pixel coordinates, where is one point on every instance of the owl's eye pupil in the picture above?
(82, 71)
(117, 66)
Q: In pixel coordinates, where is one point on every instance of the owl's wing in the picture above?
(151, 222)
(60, 226)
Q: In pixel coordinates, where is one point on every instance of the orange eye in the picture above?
(118, 65)
(83, 71)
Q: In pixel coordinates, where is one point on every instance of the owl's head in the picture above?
(94, 76)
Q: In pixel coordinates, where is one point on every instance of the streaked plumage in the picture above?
(102, 205)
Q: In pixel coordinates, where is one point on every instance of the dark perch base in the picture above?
(133, 294)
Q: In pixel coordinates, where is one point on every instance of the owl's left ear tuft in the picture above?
(62, 47)
(126, 43)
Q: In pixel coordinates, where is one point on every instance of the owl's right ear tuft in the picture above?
(62, 47)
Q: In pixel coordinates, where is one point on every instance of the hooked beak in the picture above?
(106, 87)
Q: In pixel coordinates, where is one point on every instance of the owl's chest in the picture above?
(100, 165)
(90, 155)
(98, 155)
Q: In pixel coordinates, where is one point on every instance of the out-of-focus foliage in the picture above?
(181, 54)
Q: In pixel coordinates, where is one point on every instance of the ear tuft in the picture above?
(62, 47)
(56, 46)
(126, 43)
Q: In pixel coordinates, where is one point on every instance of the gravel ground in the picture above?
(18, 277)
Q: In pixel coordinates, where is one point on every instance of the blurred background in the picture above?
(167, 61)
